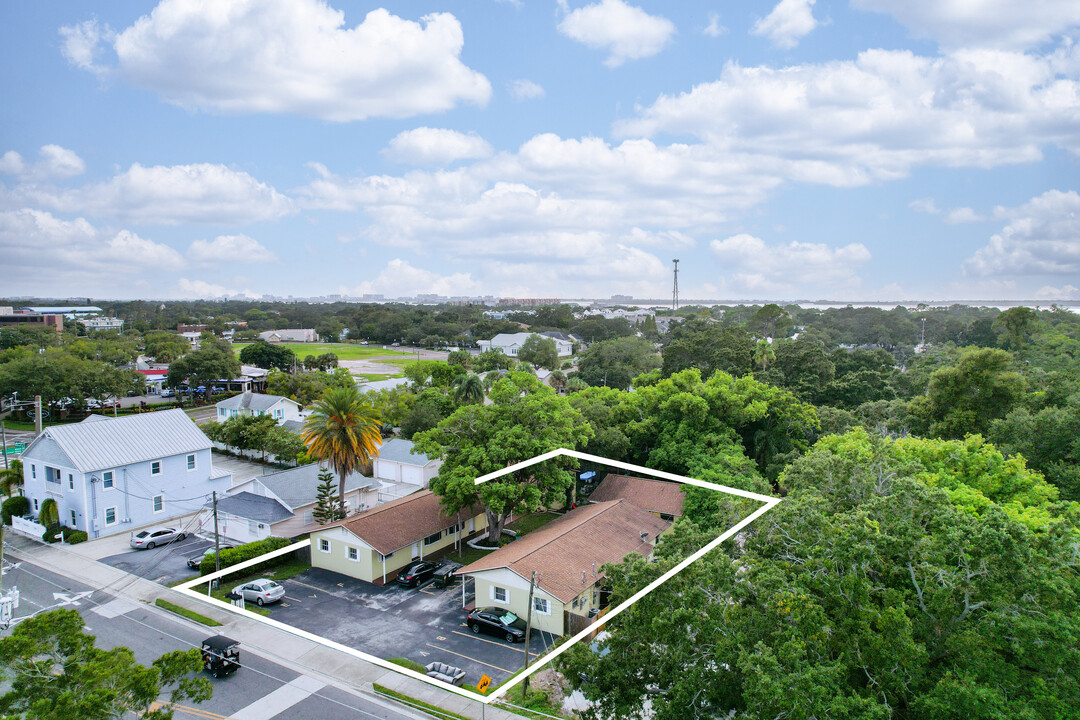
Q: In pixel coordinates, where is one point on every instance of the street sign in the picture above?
(484, 683)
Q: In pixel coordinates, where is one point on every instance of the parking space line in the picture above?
(477, 637)
(442, 649)
(293, 599)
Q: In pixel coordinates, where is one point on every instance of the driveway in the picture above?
(163, 565)
(423, 624)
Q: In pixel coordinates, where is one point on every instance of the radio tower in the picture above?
(675, 287)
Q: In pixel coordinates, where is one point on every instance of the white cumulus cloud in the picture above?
(981, 23)
(401, 278)
(851, 122)
(436, 146)
(166, 195)
(288, 56)
(960, 215)
(198, 289)
(626, 32)
(788, 23)
(55, 163)
(522, 89)
(1042, 238)
(753, 266)
(714, 28)
(230, 249)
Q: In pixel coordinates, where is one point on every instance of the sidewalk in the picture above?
(298, 653)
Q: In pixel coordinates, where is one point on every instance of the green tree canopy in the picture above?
(614, 363)
(268, 356)
(539, 351)
(53, 671)
(709, 347)
(965, 398)
(525, 419)
(214, 361)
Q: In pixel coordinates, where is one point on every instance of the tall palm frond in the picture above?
(343, 432)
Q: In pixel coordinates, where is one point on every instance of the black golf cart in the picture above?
(221, 655)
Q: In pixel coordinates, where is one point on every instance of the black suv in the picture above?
(416, 572)
(497, 622)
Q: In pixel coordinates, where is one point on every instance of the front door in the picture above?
(416, 549)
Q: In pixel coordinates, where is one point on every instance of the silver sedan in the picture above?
(261, 591)
(152, 537)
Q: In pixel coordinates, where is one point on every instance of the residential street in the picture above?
(261, 690)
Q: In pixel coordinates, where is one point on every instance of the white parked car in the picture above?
(152, 537)
(261, 591)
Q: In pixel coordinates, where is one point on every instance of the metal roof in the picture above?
(299, 486)
(62, 309)
(254, 507)
(122, 441)
(253, 401)
(398, 450)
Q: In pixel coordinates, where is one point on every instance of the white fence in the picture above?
(29, 528)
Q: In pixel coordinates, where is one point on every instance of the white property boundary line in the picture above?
(768, 504)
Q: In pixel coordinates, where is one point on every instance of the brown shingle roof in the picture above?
(567, 552)
(653, 495)
(399, 523)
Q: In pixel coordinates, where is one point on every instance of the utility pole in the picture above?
(528, 634)
(675, 287)
(3, 431)
(37, 414)
(217, 540)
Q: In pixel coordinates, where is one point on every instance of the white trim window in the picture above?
(33, 471)
(110, 515)
(155, 467)
(74, 522)
(71, 481)
(35, 504)
(159, 503)
(541, 606)
(191, 462)
(107, 480)
(500, 595)
(324, 545)
(353, 554)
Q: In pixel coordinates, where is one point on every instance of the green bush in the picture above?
(14, 507)
(237, 555)
(70, 535)
(75, 537)
(51, 532)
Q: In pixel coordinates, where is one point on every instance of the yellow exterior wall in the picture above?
(370, 567)
(518, 590)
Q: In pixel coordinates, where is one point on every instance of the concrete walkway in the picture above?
(300, 654)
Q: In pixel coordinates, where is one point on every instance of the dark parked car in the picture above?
(497, 622)
(195, 561)
(415, 573)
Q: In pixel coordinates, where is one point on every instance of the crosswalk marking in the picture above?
(280, 700)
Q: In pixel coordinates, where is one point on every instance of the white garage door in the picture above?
(386, 470)
(412, 474)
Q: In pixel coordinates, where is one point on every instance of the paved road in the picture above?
(164, 565)
(260, 690)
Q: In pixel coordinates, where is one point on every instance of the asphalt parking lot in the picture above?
(164, 564)
(423, 624)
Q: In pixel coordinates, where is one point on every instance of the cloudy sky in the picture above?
(800, 149)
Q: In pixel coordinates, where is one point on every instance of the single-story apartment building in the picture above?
(566, 556)
(289, 336)
(510, 344)
(284, 502)
(110, 475)
(659, 497)
(375, 544)
(398, 462)
(249, 403)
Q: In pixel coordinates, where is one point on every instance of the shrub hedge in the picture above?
(237, 555)
(14, 507)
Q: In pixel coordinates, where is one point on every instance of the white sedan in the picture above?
(261, 591)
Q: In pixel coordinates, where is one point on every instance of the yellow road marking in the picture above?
(194, 712)
(442, 649)
(292, 598)
(492, 642)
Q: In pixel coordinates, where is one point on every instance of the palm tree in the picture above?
(764, 353)
(342, 431)
(11, 479)
(468, 389)
(557, 380)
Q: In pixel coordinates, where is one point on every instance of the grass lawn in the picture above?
(528, 523)
(184, 612)
(344, 351)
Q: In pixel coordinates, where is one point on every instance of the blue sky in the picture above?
(862, 150)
